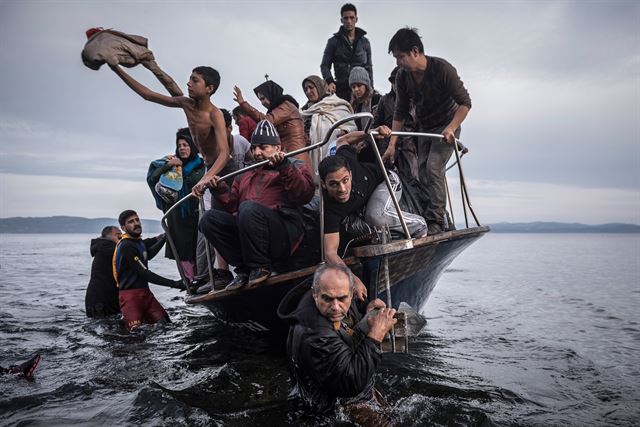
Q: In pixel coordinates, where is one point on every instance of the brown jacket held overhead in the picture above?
(116, 48)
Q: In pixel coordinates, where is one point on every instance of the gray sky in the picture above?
(555, 86)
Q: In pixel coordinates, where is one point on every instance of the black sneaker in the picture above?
(204, 289)
(221, 278)
(238, 282)
(258, 275)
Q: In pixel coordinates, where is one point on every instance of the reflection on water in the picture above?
(523, 329)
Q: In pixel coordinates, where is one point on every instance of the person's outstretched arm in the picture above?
(148, 94)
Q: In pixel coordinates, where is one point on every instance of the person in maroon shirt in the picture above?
(441, 102)
(260, 221)
(246, 125)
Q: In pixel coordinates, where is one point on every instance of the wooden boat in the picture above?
(398, 271)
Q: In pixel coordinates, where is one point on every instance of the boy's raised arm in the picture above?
(145, 92)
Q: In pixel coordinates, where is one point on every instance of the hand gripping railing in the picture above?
(460, 150)
(165, 225)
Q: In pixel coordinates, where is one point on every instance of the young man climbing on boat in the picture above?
(132, 274)
(349, 187)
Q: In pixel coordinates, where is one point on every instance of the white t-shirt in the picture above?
(240, 148)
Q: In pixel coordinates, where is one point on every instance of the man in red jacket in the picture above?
(261, 222)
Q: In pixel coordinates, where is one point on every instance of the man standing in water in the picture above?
(101, 299)
(130, 269)
(347, 48)
(204, 119)
(333, 352)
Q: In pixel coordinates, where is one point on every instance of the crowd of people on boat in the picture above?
(256, 221)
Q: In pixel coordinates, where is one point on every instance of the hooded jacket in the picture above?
(326, 362)
(101, 298)
(344, 56)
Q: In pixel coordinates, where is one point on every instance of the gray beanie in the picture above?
(359, 75)
(265, 133)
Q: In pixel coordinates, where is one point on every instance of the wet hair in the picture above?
(227, 117)
(238, 111)
(404, 40)
(315, 286)
(348, 7)
(210, 76)
(331, 164)
(108, 230)
(122, 218)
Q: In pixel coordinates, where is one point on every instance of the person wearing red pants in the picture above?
(130, 260)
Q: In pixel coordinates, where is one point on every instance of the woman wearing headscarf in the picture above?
(170, 179)
(363, 99)
(282, 112)
(320, 112)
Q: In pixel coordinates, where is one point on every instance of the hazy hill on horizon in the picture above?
(68, 224)
(72, 224)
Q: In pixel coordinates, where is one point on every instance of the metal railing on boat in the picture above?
(164, 220)
(459, 150)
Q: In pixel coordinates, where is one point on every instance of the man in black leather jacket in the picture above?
(332, 352)
(101, 299)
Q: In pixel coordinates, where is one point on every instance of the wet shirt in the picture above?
(130, 262)
(329, 361)
(365, 179)
(436, 98)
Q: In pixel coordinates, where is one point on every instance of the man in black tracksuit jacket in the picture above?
(131, 272)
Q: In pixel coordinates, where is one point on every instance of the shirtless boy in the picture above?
(205, 120)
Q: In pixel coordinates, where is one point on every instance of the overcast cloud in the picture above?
(553, 131)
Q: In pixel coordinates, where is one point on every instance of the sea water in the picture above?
(523, 329)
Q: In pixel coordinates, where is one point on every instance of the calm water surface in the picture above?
(523, 330)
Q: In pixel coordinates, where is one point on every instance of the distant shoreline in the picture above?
(70, 224)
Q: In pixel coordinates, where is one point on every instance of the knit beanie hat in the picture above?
(359, 75)
(265, 133)
(318, 82)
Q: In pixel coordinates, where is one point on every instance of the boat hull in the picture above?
(414, 269)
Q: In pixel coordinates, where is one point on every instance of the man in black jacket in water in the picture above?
(101, 299)
(332, 352)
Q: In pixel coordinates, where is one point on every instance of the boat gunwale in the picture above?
(356, 254)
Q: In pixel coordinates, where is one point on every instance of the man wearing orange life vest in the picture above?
(130, 259)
